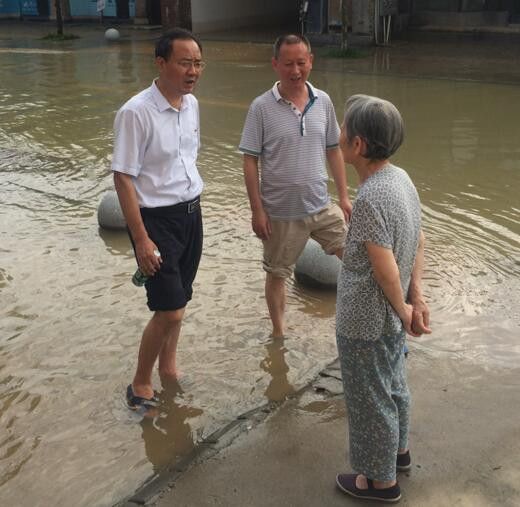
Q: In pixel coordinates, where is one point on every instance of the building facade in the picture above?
(320, 16)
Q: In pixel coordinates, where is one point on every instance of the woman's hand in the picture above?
(420, 317)
(406, 316)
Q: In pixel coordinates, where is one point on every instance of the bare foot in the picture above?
(361, 483)
(171, 374)
(170, 378)
(143, 391)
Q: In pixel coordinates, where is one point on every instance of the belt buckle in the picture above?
(193, 206)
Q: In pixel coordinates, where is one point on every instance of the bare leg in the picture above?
(155, 334)
(168, 354)
(275, 297)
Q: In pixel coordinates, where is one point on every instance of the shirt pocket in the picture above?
(189, 134)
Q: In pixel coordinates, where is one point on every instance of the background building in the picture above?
(313, 16)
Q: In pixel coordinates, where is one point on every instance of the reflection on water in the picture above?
(274, 363)
(167, 433)
(327, 410)
(71, 319)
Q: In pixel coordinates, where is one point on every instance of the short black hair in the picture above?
(164, 46)
(290, 39)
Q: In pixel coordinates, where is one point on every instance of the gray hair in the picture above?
(377, 122)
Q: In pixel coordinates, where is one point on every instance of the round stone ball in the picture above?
(111, 34)
(110, 215)
(315, 269)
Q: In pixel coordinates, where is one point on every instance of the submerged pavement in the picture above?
(465, 444)
(465, 435)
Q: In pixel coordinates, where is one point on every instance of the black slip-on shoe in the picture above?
(134, 402)
(404, 462)
(347, 484)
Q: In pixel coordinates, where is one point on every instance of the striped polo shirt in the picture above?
(291, 146)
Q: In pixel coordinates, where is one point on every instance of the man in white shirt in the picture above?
(157, 139)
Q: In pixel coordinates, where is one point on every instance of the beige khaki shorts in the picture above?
(288, 239)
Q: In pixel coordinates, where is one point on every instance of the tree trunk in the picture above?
(176, 13)
(59, 17)
(344, 25)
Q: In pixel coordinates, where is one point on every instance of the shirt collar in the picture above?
(312, 92)
(161, 102)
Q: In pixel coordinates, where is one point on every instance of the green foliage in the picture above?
(59, 37)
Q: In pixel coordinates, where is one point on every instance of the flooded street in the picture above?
(71, 319)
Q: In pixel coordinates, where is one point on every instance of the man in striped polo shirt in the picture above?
(293, 132)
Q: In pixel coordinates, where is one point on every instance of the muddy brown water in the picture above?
(71, 319)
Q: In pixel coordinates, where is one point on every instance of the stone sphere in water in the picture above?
(110, 215)
(112, 34)
(314, 268)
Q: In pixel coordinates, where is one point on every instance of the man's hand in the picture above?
(261, 224)
(149, 262)
(346, 206)
(145, 248)
(337, 169)
(259, 220)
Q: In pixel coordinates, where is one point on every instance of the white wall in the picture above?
(210, 15)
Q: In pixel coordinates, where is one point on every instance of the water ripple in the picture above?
(72, 320)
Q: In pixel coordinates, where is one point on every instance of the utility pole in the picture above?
(344, 25)
(59, 17)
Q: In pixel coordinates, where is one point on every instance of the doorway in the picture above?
(153, 12)
(122, 9)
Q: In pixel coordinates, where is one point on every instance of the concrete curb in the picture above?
(327, 380)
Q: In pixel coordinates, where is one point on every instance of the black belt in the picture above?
(183, 208)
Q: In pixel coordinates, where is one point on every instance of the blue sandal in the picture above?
(134, 402)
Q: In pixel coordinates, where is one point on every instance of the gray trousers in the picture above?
(378, 403)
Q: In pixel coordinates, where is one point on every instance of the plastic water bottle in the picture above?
(139, 278)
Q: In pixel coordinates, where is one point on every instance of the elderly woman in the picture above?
(380, 277)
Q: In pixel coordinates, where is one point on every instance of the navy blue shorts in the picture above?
(177, 232)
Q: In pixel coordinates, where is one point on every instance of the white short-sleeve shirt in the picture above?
(158, 145)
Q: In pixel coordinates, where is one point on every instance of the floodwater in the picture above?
(71, 319)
